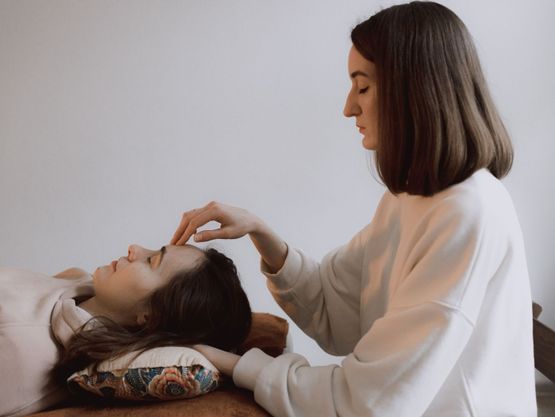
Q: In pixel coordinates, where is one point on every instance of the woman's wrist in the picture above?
(258, 226)
(272, 249)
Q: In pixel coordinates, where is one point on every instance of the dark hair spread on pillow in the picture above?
(204, 305)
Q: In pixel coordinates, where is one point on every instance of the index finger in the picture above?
(178, 235)
(197, 220)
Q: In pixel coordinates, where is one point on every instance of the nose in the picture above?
(135, 252)
(351, 108)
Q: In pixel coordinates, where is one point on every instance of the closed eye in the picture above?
(157, 258)
(363, 90)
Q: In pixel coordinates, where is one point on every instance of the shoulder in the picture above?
(480, 201)
(481, 192)
(384, 221)
(72, 273)
(474, 216)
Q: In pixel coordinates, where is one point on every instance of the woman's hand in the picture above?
(221, 359)
(235, 223)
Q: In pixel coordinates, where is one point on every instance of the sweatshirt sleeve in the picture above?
(323, 298)
(400, 364)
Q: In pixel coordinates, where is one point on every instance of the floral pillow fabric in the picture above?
(166, 373)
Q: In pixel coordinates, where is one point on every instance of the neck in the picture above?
(91, 306)
(94, 308)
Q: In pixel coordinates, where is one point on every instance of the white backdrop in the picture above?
(116, 116)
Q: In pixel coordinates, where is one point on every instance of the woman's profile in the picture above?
(54, 326)
(430, 303)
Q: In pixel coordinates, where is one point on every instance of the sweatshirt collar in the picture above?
(67, 317)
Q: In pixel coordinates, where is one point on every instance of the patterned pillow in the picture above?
(165, 373)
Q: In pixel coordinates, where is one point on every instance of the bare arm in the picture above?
(270, 246)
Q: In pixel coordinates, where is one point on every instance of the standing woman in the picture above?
(430, 303)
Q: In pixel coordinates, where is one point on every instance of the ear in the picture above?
(142, 317)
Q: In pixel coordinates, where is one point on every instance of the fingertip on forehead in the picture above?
(184, 248)
(190, 252)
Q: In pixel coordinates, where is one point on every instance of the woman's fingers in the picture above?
(206, 235)
(184, 231)
(199, 219)
(234, 223)
(178, 235)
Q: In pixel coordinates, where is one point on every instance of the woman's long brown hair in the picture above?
(203, 305)
(437, 122)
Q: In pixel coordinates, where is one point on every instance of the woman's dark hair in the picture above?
(205, 305)
(437, 122)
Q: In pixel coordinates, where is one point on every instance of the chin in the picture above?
(369, 144)
(102, 271)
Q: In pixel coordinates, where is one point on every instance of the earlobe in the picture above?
(142, 318)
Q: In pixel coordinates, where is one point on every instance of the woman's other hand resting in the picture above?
(223, 360)
(234, 222)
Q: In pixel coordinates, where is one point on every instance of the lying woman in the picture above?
(51, 327)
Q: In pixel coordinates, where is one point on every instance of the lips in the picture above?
(114, 264)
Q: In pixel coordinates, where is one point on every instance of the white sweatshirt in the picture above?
(37, 316)
(430, 303)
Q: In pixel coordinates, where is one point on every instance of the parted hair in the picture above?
(437, 122)
(205, 305)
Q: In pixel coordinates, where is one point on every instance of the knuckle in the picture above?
(189, 212)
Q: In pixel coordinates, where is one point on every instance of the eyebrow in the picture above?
(354, 74)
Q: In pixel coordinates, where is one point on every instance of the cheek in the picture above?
(372, 114)
(371, 101)
(139, 282)
(115, 285)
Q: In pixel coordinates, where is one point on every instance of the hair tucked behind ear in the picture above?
(204, 305)
(437, 122)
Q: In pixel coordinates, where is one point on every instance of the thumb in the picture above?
(206, 235)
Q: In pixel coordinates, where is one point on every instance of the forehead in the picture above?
(358, 63)
(180, 257)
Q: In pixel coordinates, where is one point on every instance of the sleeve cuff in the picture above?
(289, 272)
(248, 368)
